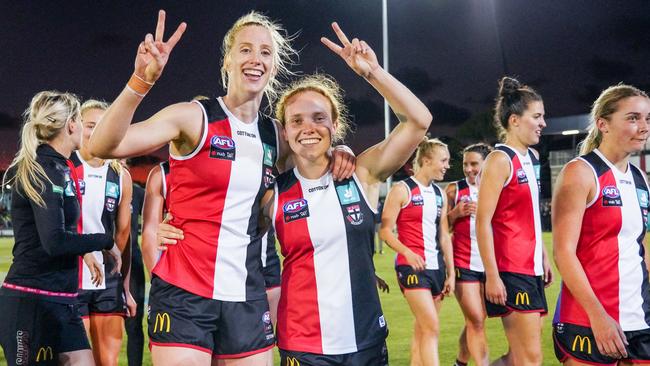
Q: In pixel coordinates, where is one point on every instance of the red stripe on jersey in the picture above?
(298, 274)
(196, 199)
(598, 252)
(513, 225)
(75, 173)
(409, 225)
(461, 239)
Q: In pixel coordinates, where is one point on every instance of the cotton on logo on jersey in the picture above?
(295, 210)
(612, 197)
(222, 147)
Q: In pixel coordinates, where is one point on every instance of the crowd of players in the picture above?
(238, 179)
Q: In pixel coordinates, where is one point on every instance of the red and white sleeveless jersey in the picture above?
(516, 224)
(101, 194)
(418, 222)
(466, 254)
(610, 248)
(214, 198)
(329, 303)
(165, 177)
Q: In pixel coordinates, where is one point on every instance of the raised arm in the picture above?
(494, 175)
(396, 198)
(380, 161)
(115, 137)
(573, 190)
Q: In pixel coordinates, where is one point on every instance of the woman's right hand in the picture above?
(495, 290)
(116, 254)
(168, 234)
(609, 336)
(153, 53)
(96, 273)
(415, 261)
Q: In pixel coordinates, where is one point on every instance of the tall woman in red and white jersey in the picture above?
(600, 215)
(508, 226)
(424, 264)
(470, 275)
(329, 312)
(222, 155)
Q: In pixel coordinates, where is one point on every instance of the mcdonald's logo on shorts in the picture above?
(457, 273)
(44, 354)
(412, 279)
(522, 298)
(162, 323)
(581, 341)
(292, 361)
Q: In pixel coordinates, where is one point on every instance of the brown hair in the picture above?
(513, 98)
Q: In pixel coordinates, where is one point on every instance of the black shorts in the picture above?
(271, 275)
(429, 279)
(467, 275)
(578, 342)
(372, 356)
(222, 328)
(525, 294)
(34, 331)
(108, 301)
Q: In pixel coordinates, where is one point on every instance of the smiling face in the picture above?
(89, 119)
(528, 126)
(436, 162)
(627, 127)
(250, 62)
(472, 163)
(308, 126)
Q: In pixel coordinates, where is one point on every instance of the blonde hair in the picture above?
(101, 105)
(283, 52)
(327, 87)
(425, 148)
(45, 118)
(603, 107)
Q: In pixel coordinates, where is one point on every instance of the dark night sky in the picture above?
(447, 51)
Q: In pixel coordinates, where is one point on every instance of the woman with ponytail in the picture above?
(38, 318)
(508, 225)
(424, 264)
(600, 213)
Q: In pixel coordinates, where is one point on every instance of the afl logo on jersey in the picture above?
(417, 200)
(222, 147)
(295, 210)
(521, 176)
(612, 196)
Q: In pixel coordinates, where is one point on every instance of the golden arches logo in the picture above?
(292, 361)
(581, 341)
(44, 354)
(457, 273)
(412, 280)
(522, 298)
(163, 323)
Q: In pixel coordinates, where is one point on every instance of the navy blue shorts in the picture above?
(108, 301)
(578, 342)
(429, 279)
(467, 275)
(224, 329)
(34, 331)
(525, 294)
(372, 356)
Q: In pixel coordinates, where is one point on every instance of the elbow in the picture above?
(383, 233)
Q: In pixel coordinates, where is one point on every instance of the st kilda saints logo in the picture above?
(354, 215)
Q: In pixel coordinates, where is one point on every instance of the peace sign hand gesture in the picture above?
(357, 54)
(153, 53)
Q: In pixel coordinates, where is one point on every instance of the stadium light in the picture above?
(570, 132)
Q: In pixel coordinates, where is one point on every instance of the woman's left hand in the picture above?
(131, 305)
(548, 272)
(357, 54)
(449, 285)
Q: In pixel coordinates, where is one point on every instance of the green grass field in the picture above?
(400, 320)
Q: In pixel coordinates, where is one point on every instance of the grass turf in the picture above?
(400, 320)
